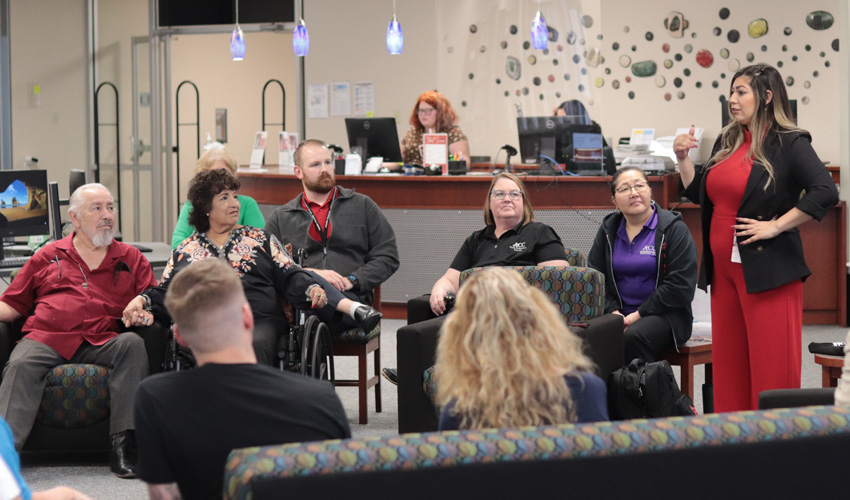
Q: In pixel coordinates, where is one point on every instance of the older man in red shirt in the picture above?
(72, 294)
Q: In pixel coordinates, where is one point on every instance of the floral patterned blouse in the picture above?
(413, 139)
(267, 271)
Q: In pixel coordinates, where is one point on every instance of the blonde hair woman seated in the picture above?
(506, 359)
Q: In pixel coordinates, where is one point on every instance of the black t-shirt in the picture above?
(188, 422)
(526, 245)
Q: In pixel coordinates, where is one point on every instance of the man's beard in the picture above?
(100, 237)
(322, 185)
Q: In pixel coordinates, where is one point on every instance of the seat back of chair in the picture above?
(577, 292)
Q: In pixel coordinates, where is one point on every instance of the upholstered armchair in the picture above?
(578, 292)
(74, 412)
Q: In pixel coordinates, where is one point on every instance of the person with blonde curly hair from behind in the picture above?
(507, 359)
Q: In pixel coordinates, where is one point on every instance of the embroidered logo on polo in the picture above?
(519, 246)
(648, 250)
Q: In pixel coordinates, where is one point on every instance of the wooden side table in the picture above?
(831, 369)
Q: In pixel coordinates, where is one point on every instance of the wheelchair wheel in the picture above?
(308, 331)
(321, 359)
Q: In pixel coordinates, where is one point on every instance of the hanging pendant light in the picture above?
(395, 38)
(539, 32)
(237, 40)
(301, 40)
(237, 44)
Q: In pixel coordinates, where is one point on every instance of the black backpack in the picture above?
(646, 390)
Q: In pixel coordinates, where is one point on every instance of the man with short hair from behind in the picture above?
(348, 240)
(189, 421)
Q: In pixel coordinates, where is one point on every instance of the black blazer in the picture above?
(797, 170)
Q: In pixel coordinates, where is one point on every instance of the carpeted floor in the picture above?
(96, 480)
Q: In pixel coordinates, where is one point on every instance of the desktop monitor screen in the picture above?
(23, 203)
(372, 137)
(573, 141)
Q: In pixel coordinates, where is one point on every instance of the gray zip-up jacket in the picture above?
(362, 242)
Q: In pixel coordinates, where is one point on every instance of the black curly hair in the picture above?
(202, 189)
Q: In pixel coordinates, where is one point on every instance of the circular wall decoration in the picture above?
(789, 81)
(615, 84)
(631, 94)
(705, 58)
(724, 53)
(734, 64)
(680, 94)
(660, 81)
(805, 99)
(668, 96)
(649, 36)
(668, 63)
(724, 13)
(473, 28)
(717, 31)
(689, 48)
(625, 61)
(599, 82)
(512, 29)
(733, 36)
(615, 46)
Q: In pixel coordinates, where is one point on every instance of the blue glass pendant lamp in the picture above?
(301, 40)
(395, 38)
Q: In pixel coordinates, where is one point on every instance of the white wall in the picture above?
(348, 43)
(470, 64)
(48, 48)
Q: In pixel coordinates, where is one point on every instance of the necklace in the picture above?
(86, 282)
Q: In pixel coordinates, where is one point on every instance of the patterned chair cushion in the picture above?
(356, 336)
(460, 448)
(429, 385)
(75, 396)
(578, 292)
(576, 258)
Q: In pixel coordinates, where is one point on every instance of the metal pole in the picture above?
(157, 183)
(170, 216)
(300, 105)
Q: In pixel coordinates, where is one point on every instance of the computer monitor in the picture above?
(573, 141)
(372, 137)
(23, 203)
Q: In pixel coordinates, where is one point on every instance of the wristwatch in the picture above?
(355, 285)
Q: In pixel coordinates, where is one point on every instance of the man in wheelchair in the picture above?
(71, 294)
(189, 421)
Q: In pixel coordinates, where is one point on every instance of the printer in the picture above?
(651, 164)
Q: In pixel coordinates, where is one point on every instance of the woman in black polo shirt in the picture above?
(510, 238)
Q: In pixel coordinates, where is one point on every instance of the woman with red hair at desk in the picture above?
(433, 114)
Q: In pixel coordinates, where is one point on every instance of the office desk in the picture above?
(432, 215)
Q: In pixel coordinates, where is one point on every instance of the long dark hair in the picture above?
(773, 116)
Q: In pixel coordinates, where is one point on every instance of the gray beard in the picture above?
(100, 237)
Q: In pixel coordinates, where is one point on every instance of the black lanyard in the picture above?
(323, 232)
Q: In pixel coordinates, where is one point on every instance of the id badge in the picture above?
(736, 255)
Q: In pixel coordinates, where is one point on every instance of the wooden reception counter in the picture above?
(824, 293)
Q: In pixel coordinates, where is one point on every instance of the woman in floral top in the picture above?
(433, 114)
(267, 271)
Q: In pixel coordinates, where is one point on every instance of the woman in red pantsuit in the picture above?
(750, 194)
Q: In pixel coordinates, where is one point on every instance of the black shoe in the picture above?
(122, 460)
(367, 317)
(390, 374)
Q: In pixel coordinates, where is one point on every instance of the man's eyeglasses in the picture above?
(500, 195)
(426, 111)
(639, 188)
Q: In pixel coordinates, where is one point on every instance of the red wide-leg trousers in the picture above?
(756, 338)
